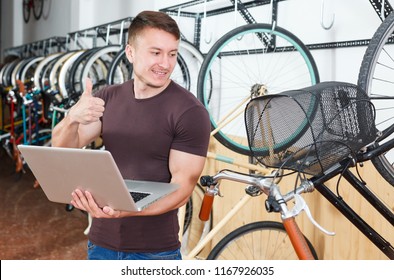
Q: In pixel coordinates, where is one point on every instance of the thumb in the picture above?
(88, 87)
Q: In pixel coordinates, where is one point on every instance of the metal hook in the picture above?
(208, 41)
(326, 27)
(178, 15)
(75, 40)
(107, 36)
(235, 18)
(121, 32)
(382, 16)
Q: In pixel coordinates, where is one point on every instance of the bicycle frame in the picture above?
(363, 189)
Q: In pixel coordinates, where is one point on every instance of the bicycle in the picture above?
(318, 143)
(35, 5)
(375, 77)
(285, 62)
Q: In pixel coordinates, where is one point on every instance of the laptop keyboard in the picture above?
(137, 196)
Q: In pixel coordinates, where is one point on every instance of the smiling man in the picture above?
(156, 131)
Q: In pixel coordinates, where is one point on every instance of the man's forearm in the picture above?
(65, 134)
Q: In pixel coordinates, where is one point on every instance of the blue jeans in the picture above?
(99, 253)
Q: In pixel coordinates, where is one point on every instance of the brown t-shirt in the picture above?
(140, 134)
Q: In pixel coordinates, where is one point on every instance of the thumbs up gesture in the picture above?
(88, 109)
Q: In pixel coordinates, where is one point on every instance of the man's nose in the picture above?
(165, 61)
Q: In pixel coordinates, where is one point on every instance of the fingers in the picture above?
(84, 200)
(88, 87)
(88, 109)
(93, 109)
(109, 211)
(95, 104)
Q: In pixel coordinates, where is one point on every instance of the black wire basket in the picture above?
(310, 129)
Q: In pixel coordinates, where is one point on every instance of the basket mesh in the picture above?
(311, 129)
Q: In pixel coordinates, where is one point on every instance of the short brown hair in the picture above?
(152, 19)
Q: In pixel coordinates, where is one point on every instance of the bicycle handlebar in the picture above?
(267, 185)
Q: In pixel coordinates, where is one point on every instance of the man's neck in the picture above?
(142, 91)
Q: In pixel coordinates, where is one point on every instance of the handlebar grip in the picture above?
(206, 206)
(206, 180)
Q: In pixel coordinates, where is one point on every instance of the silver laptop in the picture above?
(59, 171)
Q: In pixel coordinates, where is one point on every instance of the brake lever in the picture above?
(299, 205)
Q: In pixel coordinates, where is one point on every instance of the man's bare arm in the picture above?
(82, 124)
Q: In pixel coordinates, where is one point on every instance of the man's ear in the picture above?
(129, 53)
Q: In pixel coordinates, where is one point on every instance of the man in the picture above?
(155, 130)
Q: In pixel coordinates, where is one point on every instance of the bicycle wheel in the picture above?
(64, 73)
(55, 70)
(8, 72)
(251, 60)
(27, 74)
(26, 10)
(38, 73)
(194, 229)
(257, 241)
(18, 69)
(120, 69)
(97, 66)
(376, 77)
(38, 5)
(74, 82)
(193, 59)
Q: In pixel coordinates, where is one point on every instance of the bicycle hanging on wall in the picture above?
(35, 5)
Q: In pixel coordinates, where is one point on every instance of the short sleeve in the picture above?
(193, 131)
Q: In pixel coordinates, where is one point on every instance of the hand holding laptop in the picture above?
(84, 200)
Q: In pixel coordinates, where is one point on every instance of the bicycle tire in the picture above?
(268, 240)
(194, 229)
(8, 70)
(75, 72)
(376, 77)
(120, 69)
(26, 10)
(16, 72)
(193, 59)
(266, 66)
(97, 65)
(63, 86)
(56, 67)
(45, 72)
(27, 74)
(38, 6)
(38, 72)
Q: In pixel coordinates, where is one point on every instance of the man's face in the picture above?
(154, 56)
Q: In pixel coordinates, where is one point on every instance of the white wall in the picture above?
(61, 17)
(354, 20)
